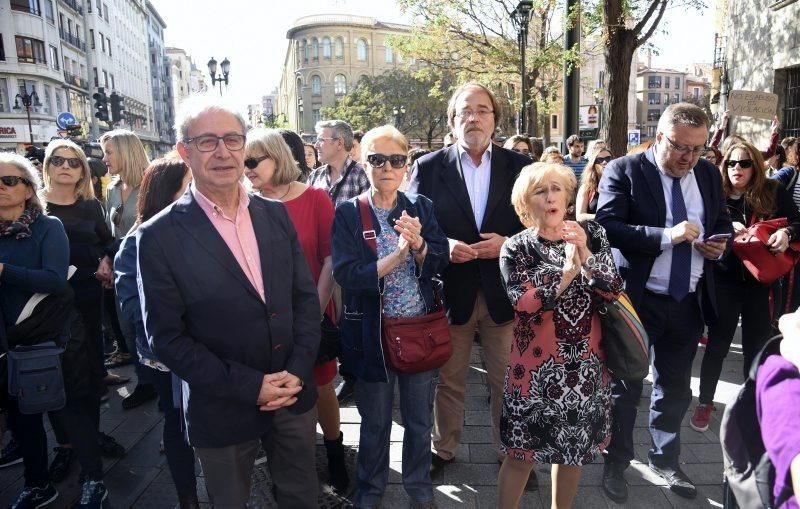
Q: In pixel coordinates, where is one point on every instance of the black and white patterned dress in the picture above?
(556, 405)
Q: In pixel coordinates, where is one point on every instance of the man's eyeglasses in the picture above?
(252, 162)
(603, 160)
(321, 139)
(116, 217)
(209, 142)
(379, 160)
(743, 163)
(686, 150)
(74, 162)
(13, 180)
(467, 114)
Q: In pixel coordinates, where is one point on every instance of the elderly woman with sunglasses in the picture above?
(394, 282)
(34, 256)
(586, 205)
(751, 197)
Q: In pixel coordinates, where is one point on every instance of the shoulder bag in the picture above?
(416, 344)
(751, 248)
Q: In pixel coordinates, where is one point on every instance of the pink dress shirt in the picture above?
(238, 234)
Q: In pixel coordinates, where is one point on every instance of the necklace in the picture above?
(287, 192)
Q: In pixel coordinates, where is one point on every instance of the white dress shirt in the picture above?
(695, 212)
(477, 180)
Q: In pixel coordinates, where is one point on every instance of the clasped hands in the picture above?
(278, 390)
(410, 230)
(690, 232)
(105, 273)
(488, 248)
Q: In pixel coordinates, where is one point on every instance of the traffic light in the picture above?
(101, 104)
(117, 107)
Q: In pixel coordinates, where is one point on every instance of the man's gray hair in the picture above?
(196, 105)
(28, 172)
(340, 128)
(682, 114)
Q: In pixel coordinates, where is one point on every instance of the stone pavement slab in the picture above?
(141, 479)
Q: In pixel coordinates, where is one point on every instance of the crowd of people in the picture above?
(240, 274)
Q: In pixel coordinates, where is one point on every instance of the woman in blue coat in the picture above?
(412, 249)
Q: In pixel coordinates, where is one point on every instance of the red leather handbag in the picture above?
(416, 344)
(751, 248)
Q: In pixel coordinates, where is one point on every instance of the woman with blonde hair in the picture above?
(272, 170)
(557, 399)
(126, 159)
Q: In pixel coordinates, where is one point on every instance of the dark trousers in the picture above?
(79, 420)
(749, 299)
(673, 328)
(290, 446)
(29, 433)
(180, 455)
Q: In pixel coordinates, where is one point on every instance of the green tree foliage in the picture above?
(379, 100)
(477, 41)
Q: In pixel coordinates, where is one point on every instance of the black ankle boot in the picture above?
(337, 468)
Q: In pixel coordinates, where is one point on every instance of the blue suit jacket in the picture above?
(632, 209)
(207, 323)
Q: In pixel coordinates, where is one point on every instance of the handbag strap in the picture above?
(335, 193)
(368, 230)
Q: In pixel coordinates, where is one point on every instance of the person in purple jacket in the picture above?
(777, 397)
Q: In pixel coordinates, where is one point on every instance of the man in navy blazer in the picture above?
(230, 307)
(470, 185)
(661, 210)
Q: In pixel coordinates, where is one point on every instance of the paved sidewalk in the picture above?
(141, 479)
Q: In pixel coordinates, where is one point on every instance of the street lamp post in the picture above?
(29, 100)
(399, 112)
(212, 71)
(520, 17)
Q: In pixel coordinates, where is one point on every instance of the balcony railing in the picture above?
(74, 5)
(72, 39)
(77, 81)
(26, 8)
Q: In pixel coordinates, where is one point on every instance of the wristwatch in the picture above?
(589, 263)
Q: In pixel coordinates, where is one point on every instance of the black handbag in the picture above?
(330, 344)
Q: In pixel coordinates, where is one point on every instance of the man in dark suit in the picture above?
(662, 210)
(230, 307)
(470, 185)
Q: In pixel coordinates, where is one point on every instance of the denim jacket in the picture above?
(127, 288)
(355, 268)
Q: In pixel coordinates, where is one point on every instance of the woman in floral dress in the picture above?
(556, 406)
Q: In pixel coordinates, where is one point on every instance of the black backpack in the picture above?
(749, 473)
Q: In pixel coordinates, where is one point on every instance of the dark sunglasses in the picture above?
(396, 160)
(74, 162)
(252, 162)
(744, 163)
(601, 160)
(13, 180)
(116, 217)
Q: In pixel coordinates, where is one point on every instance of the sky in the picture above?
(252, 35)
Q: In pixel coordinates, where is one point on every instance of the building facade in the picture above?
(186, 78)
(64, 51)
(31, 67)
(655, 90)
(160, 82)
(758, 49)
(326, 56)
